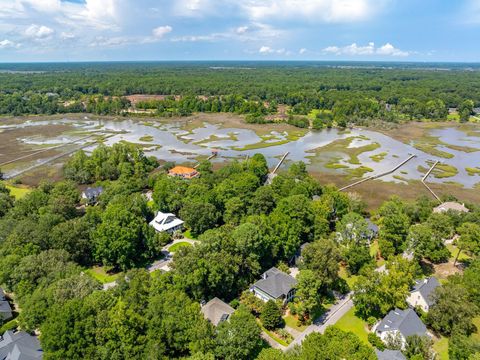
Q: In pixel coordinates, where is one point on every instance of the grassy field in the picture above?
(18, 191)
(454, 251)
(272, 335)
(188, 235)
(350, 322)
(349, 279)
(291, 321)
(441, 348)
(179, 245)
(101, 274)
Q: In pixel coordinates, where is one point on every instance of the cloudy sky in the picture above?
(101, 30)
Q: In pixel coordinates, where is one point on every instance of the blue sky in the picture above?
(104, 30)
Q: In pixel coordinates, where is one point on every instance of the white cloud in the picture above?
(268, 50)
(302, 51)
(43, 5)
(367, 50)
(67, 36)
(241, 29)
(5, 44)
(39, 31)
(195, 8)
(331, 11)
(161, 31)
(389, 49)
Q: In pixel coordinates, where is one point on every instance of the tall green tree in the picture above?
(238, 338)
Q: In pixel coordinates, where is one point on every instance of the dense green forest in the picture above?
(352, 93)
(48, 244)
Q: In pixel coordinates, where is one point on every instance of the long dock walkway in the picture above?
(373, 177)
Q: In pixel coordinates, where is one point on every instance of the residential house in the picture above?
(372, 229)
(421, 294)
(389, 355)
(183, 172)
(19, 346)
(275, 285)
(217, 311)
(166, 222)
(91, 195)
(401, 323)
(297, 259)
(450, 205)
(5, 309)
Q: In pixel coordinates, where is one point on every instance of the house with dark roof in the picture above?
(91, 195)
(421, 294)
(19, 346)
(5, 309)
(372, 229)
(217, 311)
(389, 355)
(400, 323)
(275, 285)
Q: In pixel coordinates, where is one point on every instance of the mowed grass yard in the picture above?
(441, 348)
(18, 191)
(350, 322)
(178, 245)
(102, 274)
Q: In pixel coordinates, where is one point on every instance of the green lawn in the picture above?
(291, 321)
(349, 279)
(188, 235)
(454, 251)
(101, 274)
(350, 322)
(441, 348)
(18, 192)
(178, 245)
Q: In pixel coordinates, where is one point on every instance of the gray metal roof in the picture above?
(426, 288)
(5, 308)
(406, 322)
(93, 192)
(276, 283)
(19, 346)
(390, 355)
(217, 311)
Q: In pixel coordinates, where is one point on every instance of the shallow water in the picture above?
(171, 143)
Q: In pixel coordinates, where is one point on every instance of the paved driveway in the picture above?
(330, 317)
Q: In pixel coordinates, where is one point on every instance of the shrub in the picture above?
(376, 341)
(271, 316)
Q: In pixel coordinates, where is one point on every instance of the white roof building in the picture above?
(166, 222)
(450, 205)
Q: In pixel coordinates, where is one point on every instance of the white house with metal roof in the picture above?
(166, 222)
(400, 323)
(421, 294)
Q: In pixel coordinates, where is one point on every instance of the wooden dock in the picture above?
(373, 177)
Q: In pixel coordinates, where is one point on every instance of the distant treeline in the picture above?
(357, 93)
